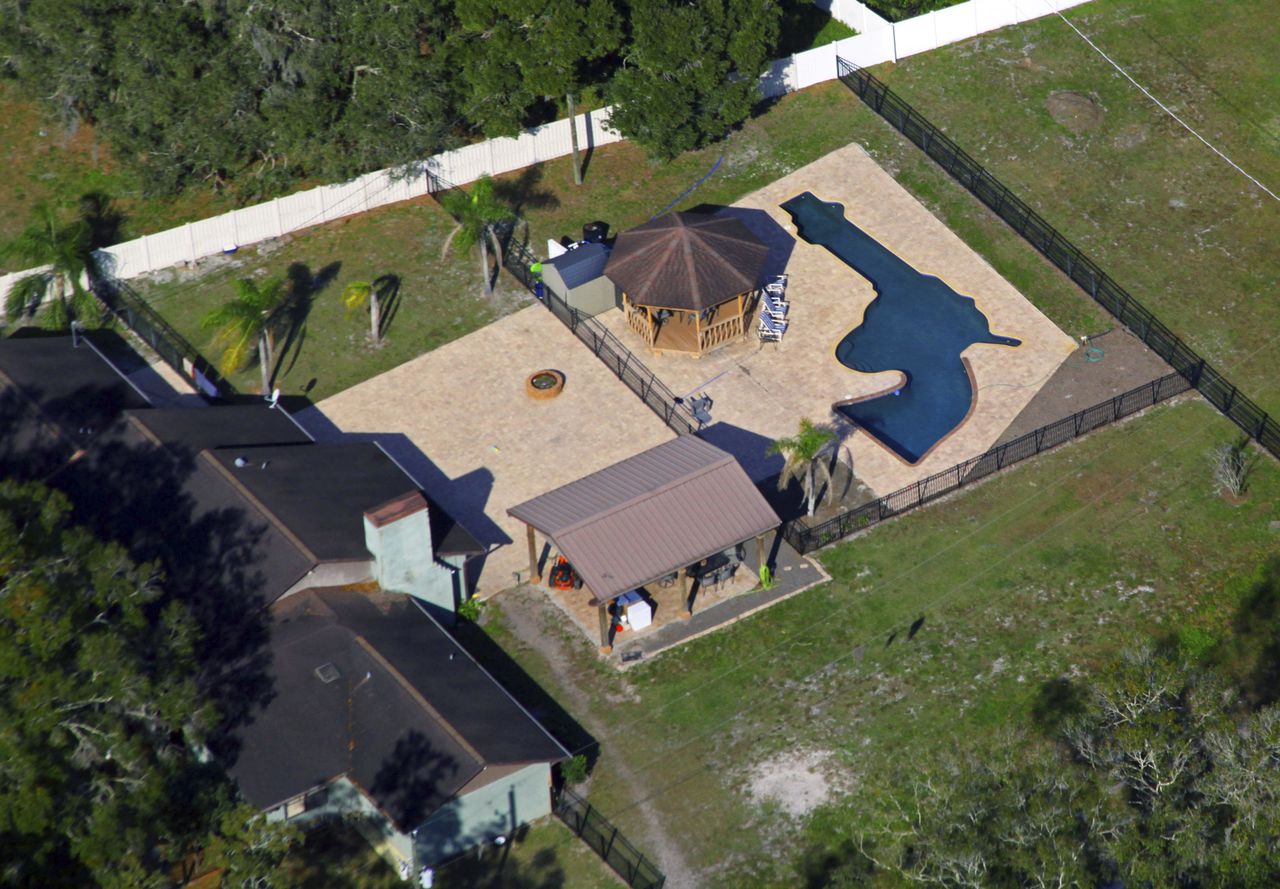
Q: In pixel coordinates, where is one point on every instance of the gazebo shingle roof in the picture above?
(689, 261)
(657, 511)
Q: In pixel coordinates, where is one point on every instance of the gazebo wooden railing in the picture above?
(640, 321)
(720, 332)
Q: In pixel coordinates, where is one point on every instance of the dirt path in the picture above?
(526, 611)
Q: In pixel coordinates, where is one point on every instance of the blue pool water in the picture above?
(916, 324)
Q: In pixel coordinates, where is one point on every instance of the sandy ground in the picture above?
(794, 781)
(762, 391)
(460, 422)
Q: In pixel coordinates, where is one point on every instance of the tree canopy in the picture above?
(267, 94)
(1162, 779)
(101, 723)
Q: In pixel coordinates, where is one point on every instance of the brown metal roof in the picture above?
(657, 511)
(686, 261)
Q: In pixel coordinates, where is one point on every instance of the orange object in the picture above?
(561, 576)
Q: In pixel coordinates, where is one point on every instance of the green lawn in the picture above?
(1048, 569)
(436, 300)
(1174, 224)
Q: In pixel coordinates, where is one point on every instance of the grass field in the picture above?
(1044, 571)
(435, 301)
(1184, 232)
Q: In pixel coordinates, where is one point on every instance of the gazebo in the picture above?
(688, 280)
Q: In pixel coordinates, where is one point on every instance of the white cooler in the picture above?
(639, 614)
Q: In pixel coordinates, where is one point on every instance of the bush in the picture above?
(574, 769)
(470, 609)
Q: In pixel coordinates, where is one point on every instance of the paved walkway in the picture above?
(459, 421)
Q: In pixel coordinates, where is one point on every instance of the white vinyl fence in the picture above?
(877, 41)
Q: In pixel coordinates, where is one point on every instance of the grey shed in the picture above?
(578, 278)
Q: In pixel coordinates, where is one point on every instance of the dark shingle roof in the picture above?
(319, 492)
(657, 511)
(224, 426)
(424, 719)
(688, 261)
(55, 398)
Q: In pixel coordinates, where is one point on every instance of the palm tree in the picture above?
(354, 296)
(247, 323)
(67, 250)
(476, 214)
(807, 455)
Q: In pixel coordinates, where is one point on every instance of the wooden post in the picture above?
(605, 621)
(684, 593)
(697, 330)
(742, 324)
(534, 576)
(761, 559)
(653, 333)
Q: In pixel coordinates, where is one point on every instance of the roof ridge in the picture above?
(647, 495)
(243, 491)
(419, 698)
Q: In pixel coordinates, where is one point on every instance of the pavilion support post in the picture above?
(684, 594)
(606, 622)
(742, 323)
(534, 576)
(761, 558)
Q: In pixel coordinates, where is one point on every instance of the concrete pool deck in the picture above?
(459, 420)
(761, 392)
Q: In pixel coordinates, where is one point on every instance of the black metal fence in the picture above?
(597, 832)
(1210, 382)
(172, 347)
(519, 260)
(806, 539)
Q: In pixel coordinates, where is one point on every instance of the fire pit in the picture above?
(544, 384)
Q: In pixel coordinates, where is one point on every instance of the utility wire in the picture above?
(1163, 107)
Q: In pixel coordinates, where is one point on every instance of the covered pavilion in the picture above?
(688, 280)
(660, 514)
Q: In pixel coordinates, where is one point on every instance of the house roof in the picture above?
(662, 509)
(580, 265)
(224, 426)
(55, 398)
(689, 261)
(319, 492)
(410, 718)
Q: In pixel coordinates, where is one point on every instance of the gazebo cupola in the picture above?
(688, 280)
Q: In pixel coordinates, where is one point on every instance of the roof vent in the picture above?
(326, 673)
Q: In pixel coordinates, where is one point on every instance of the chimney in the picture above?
(398, 535)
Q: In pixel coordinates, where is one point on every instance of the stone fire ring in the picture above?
(544, 384)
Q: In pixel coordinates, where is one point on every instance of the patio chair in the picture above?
(778, 308)
(771, 328)
(777, 286)
(701, 407)
(772, 325)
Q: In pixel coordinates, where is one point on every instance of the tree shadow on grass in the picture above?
(1253, 652)
(105, 220)
(1057, 701)
(386, 288)
(524, 191)
(303, 287)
